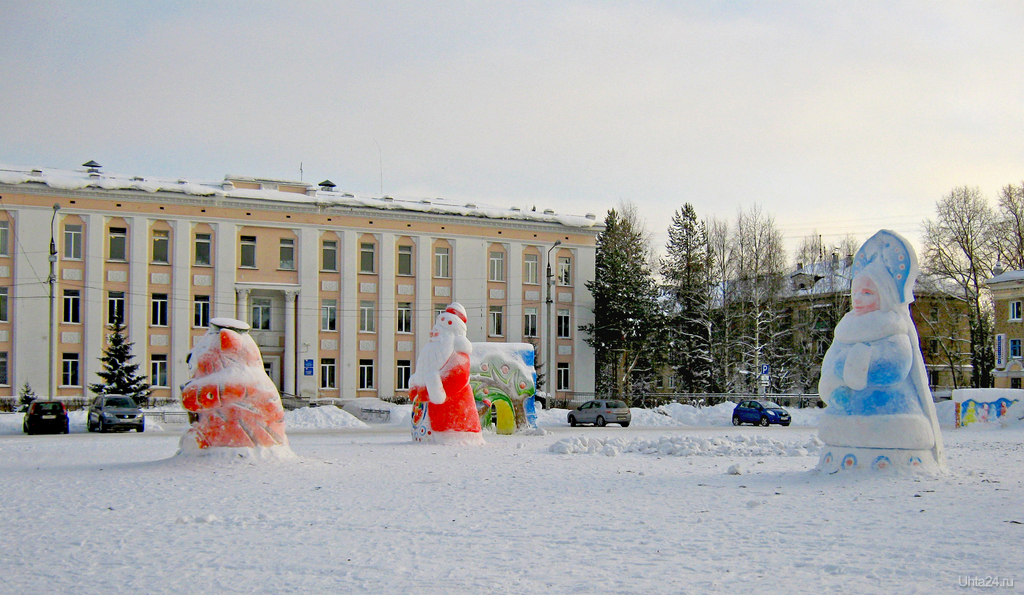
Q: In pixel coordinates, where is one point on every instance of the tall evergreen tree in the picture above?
(687, 270)
(628, 333)
(120, 376)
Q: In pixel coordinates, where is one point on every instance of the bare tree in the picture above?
(960, 245)
(1011, 226)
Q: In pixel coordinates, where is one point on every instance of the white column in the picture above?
(348, 309)
(386, 308)
(423, 317)
(469, 284)
(289, 341)
(224, 299)
(307, 324)
(181, 304)
(242, 304)
(138, 285)
(29, 303)
(514, 294)
(93, 316)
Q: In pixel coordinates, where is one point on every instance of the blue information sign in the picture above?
(307, 367)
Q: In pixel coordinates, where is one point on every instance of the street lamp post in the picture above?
(53, 310)
(548, 340)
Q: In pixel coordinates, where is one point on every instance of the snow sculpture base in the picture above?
(881, 460)
(237, 404)
(503, 377)
(189, 449)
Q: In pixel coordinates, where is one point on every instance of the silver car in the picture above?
(600, 413)
(115, 412)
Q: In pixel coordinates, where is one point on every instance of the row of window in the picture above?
(70, 372)
(261, 314)
(403, 373)
(203, 255)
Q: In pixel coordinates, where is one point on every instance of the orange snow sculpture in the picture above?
(443, 407)
(237, 404)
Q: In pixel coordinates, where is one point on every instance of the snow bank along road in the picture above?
(365, 510)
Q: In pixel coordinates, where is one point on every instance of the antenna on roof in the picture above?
(300, 171)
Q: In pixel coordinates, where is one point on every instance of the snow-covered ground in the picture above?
(669, 508)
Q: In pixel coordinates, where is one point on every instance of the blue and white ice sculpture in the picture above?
(880, 411)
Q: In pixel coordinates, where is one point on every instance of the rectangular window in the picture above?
(118, 246)
(161, 246)
(287, 254)
(329, 315)
(563, 376)
(3, 304)
(530, 322)
(441, 269)
(204, 249)
(328, 373)
(405, 260)
(404, 317)
(404, 373)
(1015, 383)
(530, 269)
(5, 238)
(261, 314)
(201, 311)
(497, 318)
(115, 307)
(329, 256)
(4, 380)
(496, 271)
(69, 369)
(564, 270)
(159, 310)
(367, 258)
(438, 309)
(1015, 348)
(365, 373)
(933, 347)
(72, 306)
(564, 328)
(367, 317)
(158, 370)
(73, 242)
(247, 252)
(672, 382)
(1015, 310)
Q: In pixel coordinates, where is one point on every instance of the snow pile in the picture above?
(684, 446)
(326, 417)
(1014, 417)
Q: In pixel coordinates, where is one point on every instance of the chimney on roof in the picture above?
(92, 167)
(327, 186)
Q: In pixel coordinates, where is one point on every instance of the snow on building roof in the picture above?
(269, 190)
(1005, 277)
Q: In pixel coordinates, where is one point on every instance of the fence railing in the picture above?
(572, 400)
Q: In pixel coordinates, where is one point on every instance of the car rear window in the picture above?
(616, 405)
(48, 408)
(121, 402)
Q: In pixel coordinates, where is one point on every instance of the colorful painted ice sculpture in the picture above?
(443, 407)
(880, 411)
(504, 380)
(237, 404)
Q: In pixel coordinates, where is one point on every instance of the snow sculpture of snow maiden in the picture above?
(237, 404)
(443, 408)
(880, 411)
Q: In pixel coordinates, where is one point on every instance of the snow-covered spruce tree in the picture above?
(686, 270)
(26, 394)
(120, 376)
(628, 333)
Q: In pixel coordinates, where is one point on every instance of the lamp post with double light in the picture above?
(53, 307)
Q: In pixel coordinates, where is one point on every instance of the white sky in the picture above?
(833, 116)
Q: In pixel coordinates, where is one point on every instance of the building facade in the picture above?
(1007, 289)
(340, 290)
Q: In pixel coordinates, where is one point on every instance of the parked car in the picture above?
(761, 413)
(115, 412)
(600, 413)
(46, 416)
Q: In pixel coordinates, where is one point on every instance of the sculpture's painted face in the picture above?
(864, 295)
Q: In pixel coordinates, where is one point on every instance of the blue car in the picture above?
(762, 413)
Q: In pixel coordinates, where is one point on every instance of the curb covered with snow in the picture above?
(321, 418)
(684, 446)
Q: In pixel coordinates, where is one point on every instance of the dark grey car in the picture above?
(115, 412)
(600, 413)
